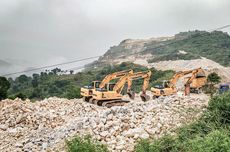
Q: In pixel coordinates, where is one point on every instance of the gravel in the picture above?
(45, 125)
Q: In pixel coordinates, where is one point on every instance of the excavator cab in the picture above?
(87, 91)
(93, 85)
(108, 87)
(96, 84)
(164, 84)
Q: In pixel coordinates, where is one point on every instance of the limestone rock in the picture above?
(45, 125)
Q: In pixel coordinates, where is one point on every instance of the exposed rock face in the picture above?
(45, 125)
(129, 50)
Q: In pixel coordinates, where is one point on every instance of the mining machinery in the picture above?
(196, 81)
(87, 91)
(112, 96)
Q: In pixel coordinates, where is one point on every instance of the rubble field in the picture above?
(45, 125)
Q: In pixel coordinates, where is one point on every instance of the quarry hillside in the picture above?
(183, 46)
(184, 51)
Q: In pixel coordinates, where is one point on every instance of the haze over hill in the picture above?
(184, 45)
(49, 32)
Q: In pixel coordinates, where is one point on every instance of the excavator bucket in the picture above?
(131, 94)
(144, 97)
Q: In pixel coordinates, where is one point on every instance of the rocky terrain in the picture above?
(45, 125)
(131, 46)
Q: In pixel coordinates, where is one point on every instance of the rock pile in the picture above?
(44, 125)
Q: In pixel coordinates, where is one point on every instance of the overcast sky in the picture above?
(42, 32)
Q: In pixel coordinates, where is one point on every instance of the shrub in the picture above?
(219, 110)
(85, 144)
(4, 86)
(211, 133)
(164, 144)
(216, 141)
(21, 96)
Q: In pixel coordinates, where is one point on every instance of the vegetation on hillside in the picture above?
(53, 83)
(85, 144)
(212, 79)
(211, 133)
(4, 86)
(214, 46)
(186, 45)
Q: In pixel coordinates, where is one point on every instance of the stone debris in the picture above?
(45, 125)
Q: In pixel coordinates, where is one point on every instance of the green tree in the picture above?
(4, 86)
(214, 78)
(85, 144)
(72, 92)
(21, 96)
(56, 71)
(71, 71)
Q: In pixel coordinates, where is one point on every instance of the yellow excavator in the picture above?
(112, 94)
(196, 81)
(87, 91)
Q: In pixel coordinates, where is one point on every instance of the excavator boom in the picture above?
(113, 76)
(140, 75)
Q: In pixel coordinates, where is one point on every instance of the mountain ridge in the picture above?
(184, 45)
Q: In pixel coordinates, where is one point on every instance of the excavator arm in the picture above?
(112, 76)
(177, 76)
(195, 74)
(121, 83)
(139, 75)
(128, 78)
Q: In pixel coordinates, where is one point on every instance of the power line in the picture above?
(49, 66)
(83, 59)
(220, 28)
(170, 43)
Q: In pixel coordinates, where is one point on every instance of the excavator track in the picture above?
(112, 103)
(109, 104)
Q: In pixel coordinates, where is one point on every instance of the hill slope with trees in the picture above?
(52, 83)
(185, 45)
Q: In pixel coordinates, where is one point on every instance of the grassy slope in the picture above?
(211, 133)
(214, 46)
